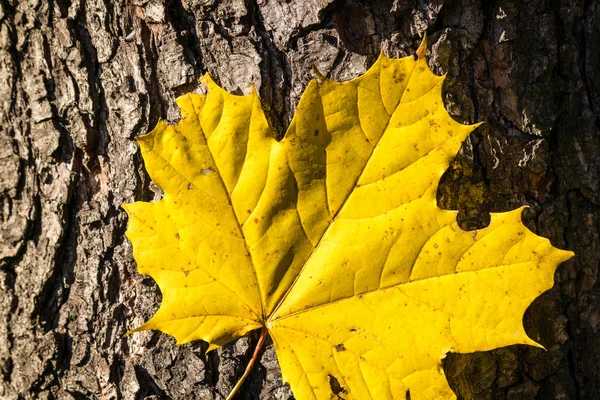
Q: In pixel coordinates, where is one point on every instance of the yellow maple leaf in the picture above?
(331, 240)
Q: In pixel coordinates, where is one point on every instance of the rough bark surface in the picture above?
(80, 79)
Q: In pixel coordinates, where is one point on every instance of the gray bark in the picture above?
(80, 79)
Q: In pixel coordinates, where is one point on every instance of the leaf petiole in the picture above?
(261, 341)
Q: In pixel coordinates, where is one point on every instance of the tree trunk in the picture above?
(80, 79)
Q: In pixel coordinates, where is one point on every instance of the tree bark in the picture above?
(79, 80)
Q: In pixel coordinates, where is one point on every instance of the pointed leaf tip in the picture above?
(318, 73)
(381, 51)
(253, 90)
(206, 78)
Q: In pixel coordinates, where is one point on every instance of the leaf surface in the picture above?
(331, 238)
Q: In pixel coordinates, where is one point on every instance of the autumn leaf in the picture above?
(331, 240)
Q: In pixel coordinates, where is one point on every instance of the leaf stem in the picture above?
(261, 341)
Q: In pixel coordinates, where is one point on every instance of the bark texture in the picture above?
(80, 79)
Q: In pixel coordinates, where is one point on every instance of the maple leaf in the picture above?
(331, 240)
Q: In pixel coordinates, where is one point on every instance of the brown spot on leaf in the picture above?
(340, 347)
(335, 386)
